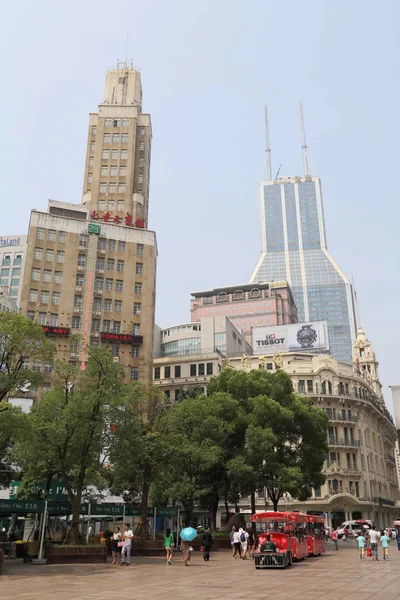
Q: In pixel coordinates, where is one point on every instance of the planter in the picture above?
(57, 555)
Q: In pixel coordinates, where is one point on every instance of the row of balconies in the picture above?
(335, 441)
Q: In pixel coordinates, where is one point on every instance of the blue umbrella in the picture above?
(188, 534)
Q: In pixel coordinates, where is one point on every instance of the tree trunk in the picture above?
(76, 511)
(226, 510)
(213, 514)
(143, 528)
(236, 508)
(253, 502)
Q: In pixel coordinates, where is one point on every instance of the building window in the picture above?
(92, 145)
(112, 188)
(193, 370)
(301, 386)
(124, 138)
(157, 372)
(18, 259)
(140, 249)
(76, 322)
(77, 301)
(137, 307)
(120, 205)
(119, 285)
(209, 368)
(110, 264)
(125, 122)
(121, 246)
(58, 277)
(36, 366)
(98, 284)
(118, 306)
(114, 153)
(201, 369)
(109, 284)
(79, 280)
(94, 129)
(106, 325)
(49, 255)
(102, 204)
(14, 282)
(167, 373)
(47, 276)
(40, 233)
(60, 256)
(106, 138)
(33, 295)
(134, 374)
(101, 244)
(108, 122)
(55, 298)
(122, 170)
(97, 304)
(62, 236)
(52, 235)
(83, 240)
(177, 370)
(6, 260)
(44, 297)
(42, 318)
(38, 254)
(113, 170)
(121, 188)
(91, 161)
(81, 260)
(53, 321)
(117, 327)
(104, 170)
(100, 264)
(36, 275)
(5, 273)
(108, 304)
(135, 351)
(310, 387)
(30, 314)
(115, 138)
(138, 288)
(89, 177)
(136, 328)
(95, 324)
(103, 187)
(141, 161)
(139, 268)
(141, 146)
(111, 245)
(106, 154)
(120, 266)
(140, 178)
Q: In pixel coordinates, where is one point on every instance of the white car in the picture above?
(352, 526)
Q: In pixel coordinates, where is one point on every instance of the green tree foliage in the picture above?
(21, 341)
(137, 453)
(67, 435)
(11, 420)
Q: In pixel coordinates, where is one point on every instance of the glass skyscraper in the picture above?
(294, 249)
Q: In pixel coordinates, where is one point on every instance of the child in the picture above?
(385, 545)
(361, 545)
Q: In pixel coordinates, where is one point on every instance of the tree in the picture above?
(67, 434)
(137, 453)
(21, 342)
(285, 443)
(202, 437)
(11, 420)
(190, 392)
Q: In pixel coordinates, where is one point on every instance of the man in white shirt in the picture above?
(374, 537)
(126, 548)
(243, 542)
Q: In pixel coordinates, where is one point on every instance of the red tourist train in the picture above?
(285, 537)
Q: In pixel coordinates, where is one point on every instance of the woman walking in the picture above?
(169, 545)
(115, 549)
(185, 547)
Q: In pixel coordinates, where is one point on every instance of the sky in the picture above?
(208, 68)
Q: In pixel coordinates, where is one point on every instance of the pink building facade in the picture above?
(247, 306)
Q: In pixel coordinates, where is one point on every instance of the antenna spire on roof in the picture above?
(303, 139)
(268, 167)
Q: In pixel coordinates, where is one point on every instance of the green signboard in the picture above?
(93, 228)
(57, 490)
(21, 506)
(65, 508)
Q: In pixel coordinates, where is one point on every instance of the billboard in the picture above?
(298, 337)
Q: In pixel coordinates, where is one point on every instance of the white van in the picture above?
(353, 526)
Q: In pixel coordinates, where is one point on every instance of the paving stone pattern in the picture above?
(334, 576)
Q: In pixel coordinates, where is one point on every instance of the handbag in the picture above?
(120, 544)
(369, 551)
(202, 549)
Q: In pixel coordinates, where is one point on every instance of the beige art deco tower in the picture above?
(91, 267)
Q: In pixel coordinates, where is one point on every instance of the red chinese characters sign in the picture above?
(121, 220)
(117, 337)
(61, 331)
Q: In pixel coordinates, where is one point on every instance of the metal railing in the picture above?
(334, 441)
(390, 458)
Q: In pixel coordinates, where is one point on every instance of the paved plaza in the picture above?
(334, 576)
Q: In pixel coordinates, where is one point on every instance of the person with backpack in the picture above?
(243, 543)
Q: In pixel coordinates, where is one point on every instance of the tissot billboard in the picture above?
(299, 337)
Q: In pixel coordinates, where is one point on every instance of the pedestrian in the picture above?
(169, 545)
(232, 541)
(207, 543)
(385, 540)
(334, 536)
(185, 548)
(236, 542)
(115, 548)
(251, 542)
(373, 540)
(126, 548)
(244, 536)
(346, 534)
(361, 545)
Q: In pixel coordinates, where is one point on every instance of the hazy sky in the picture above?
(208, 67)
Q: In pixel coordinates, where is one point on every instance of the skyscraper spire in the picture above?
(303, 140)
(268, 166)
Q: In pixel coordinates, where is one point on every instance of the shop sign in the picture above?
(60, 331)
(119, 219)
